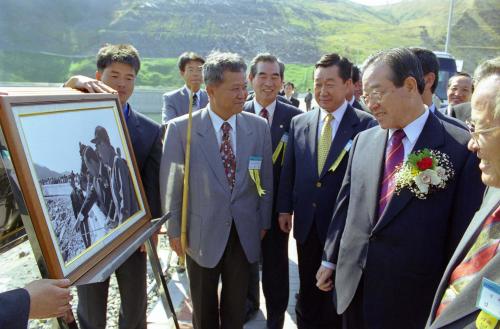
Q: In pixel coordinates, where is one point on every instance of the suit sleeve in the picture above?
(467, 200)
(337, 224)
(14, 309)
(150, 174)
(266, 201)
(168, 111)
(171, 179)
(285, 191)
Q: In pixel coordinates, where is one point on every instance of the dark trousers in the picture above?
(275, 278)
(93, 298)
(353, 317)
(314, 307)
(232, 269)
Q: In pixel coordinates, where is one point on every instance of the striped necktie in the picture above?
(394, 156)
(195, 100)
(482, 251)
(324, 142)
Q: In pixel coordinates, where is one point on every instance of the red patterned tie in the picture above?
(484, 248)
(227, 154)
(394, 155)
(265, 114)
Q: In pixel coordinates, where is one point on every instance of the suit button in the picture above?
(314, 204)
(318, 184)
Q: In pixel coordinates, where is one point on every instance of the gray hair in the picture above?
(218, 62)
(488, 69)
(266, 57)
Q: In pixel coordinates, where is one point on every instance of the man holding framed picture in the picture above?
(117, 68)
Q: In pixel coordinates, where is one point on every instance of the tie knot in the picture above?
(195, 99)
(264, 112)
(226, 127)
(398, 136)
(328, 118)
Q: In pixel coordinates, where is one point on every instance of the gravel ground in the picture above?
(19, 267)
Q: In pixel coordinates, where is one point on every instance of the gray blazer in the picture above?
(176, 103)
(462, 312)
(212, 206)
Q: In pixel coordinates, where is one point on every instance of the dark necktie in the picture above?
(227, 154)
(482, 251)
(195, 100)
(394, 155)
(265, 114)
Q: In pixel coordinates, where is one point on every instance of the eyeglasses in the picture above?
(475, 133)
(375, 97)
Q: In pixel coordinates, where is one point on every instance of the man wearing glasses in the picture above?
(476, 256)
(389, 247)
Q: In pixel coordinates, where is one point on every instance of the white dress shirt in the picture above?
(198, 95)
(270, 110)
(352, 100)
(217, 124)
(338, 114)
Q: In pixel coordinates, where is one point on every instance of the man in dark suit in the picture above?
(38, 300)
(289, 91)
(477, 254)
(176, 103)
(430, 68)
(117, 68)
(229, 209)
(265, 78)
(315, 162)
(351, 97)
(390, 248)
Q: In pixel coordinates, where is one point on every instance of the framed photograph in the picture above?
(74, 163)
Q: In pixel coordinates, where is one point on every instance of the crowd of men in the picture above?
(376, 249)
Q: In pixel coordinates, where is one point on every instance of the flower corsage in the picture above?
(424, 171)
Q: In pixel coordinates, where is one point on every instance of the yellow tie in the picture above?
(324, 142)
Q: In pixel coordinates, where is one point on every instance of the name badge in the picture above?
(488, 299)
(284, 138)
(255, 163)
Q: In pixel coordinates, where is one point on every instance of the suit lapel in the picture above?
(311, 132)
(243, 136)
(343, 135)
(462, 305)
(431, 137)
(374, 177)
(210, 148)
(134, 130)
(277, 126)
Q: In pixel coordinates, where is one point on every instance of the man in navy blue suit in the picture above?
(117, 68)
(315, 162)
(38, 300)
(266, 75)
(388, 247)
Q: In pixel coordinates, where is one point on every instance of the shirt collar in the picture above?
(270, 108)
(338, 114)
(352, 100)
(217, 120)
(189, 90)
(432, 108)
(414, 128)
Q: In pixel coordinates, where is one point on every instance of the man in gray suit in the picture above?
(176, 103)
(454, 304)
(229, 210)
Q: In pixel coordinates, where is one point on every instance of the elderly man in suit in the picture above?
(40, 299)
(176, 103)
(391, 235)
(315, 163)
(430, 68)
(117, 68)
(476, 256)
(229, 209)
(265, 78)
(460, 88)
